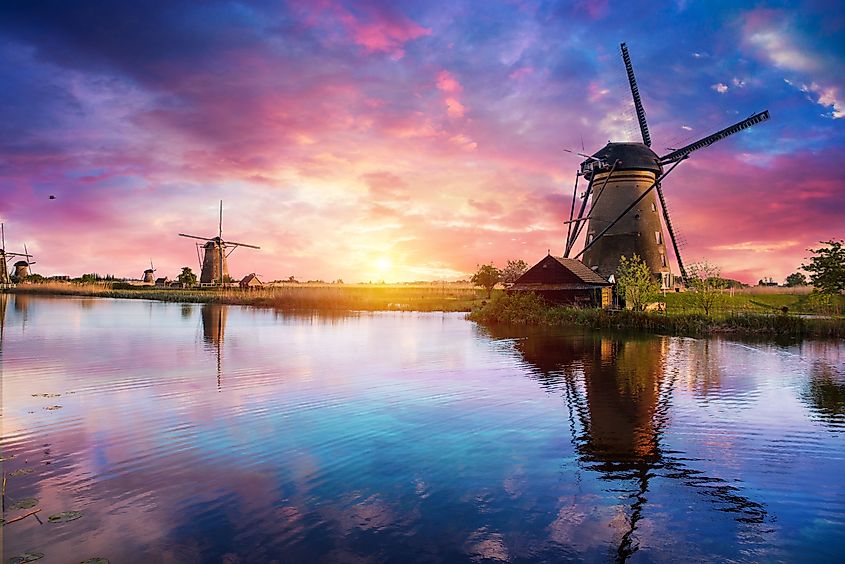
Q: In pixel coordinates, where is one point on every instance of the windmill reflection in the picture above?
(4, 300)
(619, 392)
(213, 331)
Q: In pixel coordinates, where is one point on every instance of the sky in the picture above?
(404, 141)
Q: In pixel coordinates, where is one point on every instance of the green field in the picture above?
(747, 301)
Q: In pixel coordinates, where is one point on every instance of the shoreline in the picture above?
(528, 309)
(422, 298)
(502, 309)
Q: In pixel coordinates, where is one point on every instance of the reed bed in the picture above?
(365, 297)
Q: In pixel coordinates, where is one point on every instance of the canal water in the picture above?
(203, 433)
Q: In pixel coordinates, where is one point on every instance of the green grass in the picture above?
(521, 309)
(746, 302)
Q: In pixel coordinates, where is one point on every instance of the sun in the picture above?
(384, 264)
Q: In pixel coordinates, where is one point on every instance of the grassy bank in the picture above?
(364, 297)
(529, 309)
(752, 300)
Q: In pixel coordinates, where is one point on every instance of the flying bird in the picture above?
(52, 197)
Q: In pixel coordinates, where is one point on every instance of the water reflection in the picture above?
(4, 300)
(213, 331)
(826, 394)
(618, 391)
(410, 437)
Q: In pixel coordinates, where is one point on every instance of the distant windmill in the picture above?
(622, 218)
(5, 256)
(214, 269)
(22, 267)
(148, 274)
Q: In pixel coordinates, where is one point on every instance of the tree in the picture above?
(706, 284)
(796, 279)
(635, 283)
(513, 270)
(827, 268)
(487, 277)
(187, 278)
(33, 278)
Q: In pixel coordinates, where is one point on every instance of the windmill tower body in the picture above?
(21, 269)
(149, 277)
(214, 262)
(639, 231)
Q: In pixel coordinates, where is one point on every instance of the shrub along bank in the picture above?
(528, 309)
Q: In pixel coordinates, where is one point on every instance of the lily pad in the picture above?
(95, 560)
(53, 407)
(26, 503)
(22, 472)
(25, 557)
(64, 516)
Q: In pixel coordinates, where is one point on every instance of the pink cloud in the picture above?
(449, 85)
(378, 28)
(454, 108)
(521, 73)
(446, 82)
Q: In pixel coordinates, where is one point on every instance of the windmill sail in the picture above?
(718, 136)
(635, 93)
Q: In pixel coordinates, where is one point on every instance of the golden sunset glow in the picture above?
(384, 264)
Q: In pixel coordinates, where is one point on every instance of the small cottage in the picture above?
(162, 282)
(565, 281)
(251, 282)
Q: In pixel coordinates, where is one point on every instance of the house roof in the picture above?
(250, 278)
(582, 271)
(540, 287)
(558, 273)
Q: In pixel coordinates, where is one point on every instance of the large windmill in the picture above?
(215, 251)
(5, 256)
(622, 217)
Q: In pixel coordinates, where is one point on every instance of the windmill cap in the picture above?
(630, 156)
